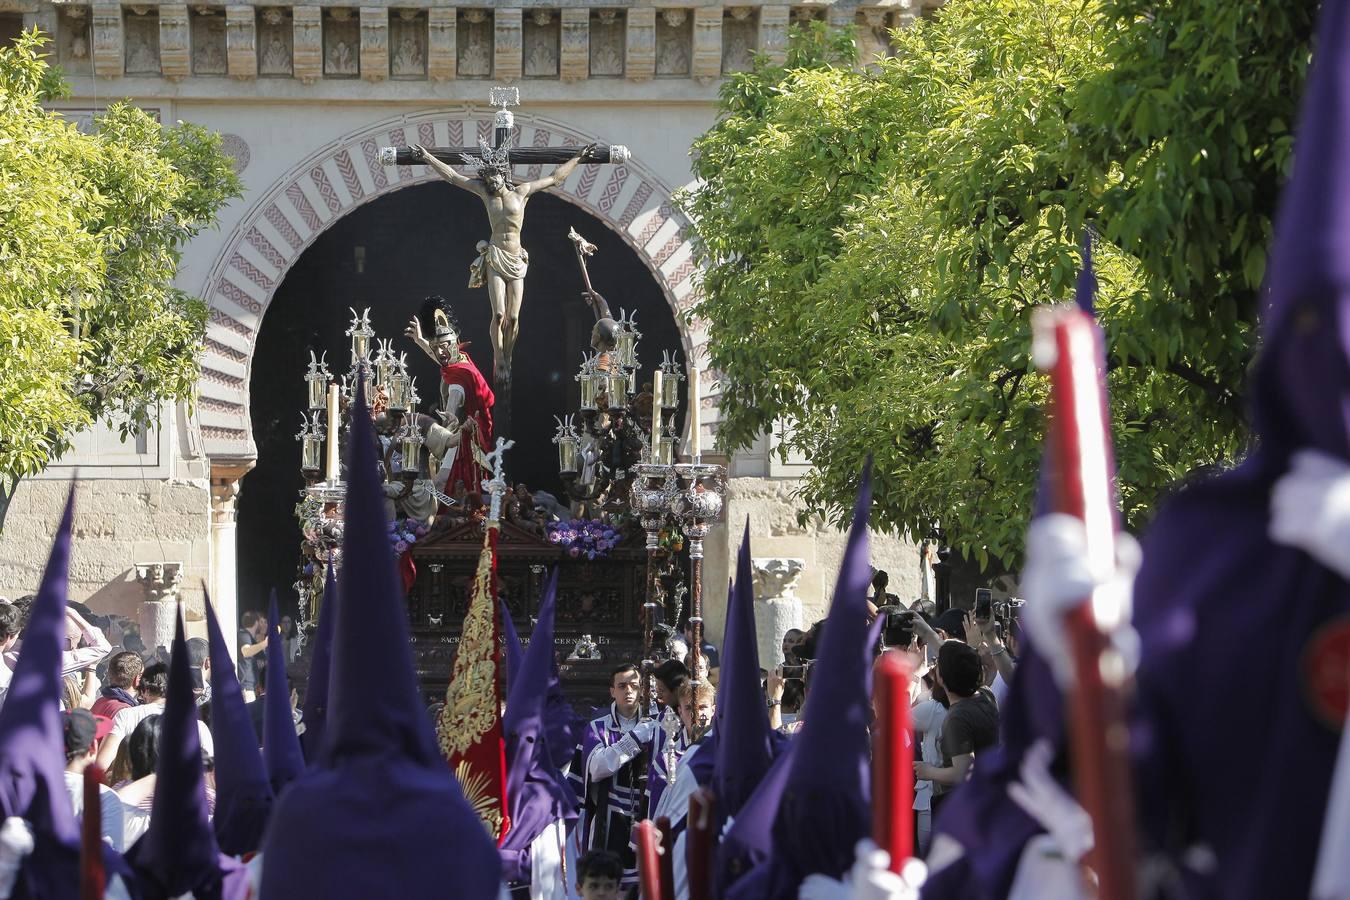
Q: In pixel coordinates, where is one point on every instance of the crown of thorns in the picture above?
(489, 159)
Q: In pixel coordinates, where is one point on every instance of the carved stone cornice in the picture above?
(506, 46)
(174, 59)
(640, 54)
(707, 62)
(241, 41)
(374, 43)
(307, 52)
(107, 34)
(575, 44)
(442, 42)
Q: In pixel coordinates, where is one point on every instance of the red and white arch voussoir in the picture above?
(337, 178)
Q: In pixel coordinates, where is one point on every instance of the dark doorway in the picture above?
(388, 255)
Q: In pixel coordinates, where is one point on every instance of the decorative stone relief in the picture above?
(241, 41)
(73, 40)
(441, 42)
(740, 32)
(408, 44)
(707, 64)
(374, 43)
(208, 41)
(141, 30)
(873, 34)
(341, 44)
(674, 40)
(802, 15)
(276, 37)
(107, 39)
(506, 46)
(475, 44)
(158, 613)
(174, 60)
(307, 46)
(235, 147)
(639, 61)
(773, 27)
(539, 42)
(606, 42)
(574, 57)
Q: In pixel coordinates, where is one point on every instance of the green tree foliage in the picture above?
(91, 231)
(875, 241)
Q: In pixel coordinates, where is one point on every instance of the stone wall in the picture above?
(118, 523)
(769, 505)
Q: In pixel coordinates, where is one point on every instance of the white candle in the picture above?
(656, 416)
(695, 444)
(334, 427)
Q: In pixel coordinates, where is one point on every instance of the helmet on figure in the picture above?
(439, 327)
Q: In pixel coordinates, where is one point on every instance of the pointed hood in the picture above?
(748, 842)
(515, 654)
(535, 789)
(243, 793)
(744, 748)
(315, 707)
(1303, 376)
(826, 806)
(558, 718)
(380, 751)
(178, 854)
(281, 745)
(32, 742)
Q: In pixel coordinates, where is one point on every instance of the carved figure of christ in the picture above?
(502, 260)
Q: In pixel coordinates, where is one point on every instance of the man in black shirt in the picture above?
(971, 725)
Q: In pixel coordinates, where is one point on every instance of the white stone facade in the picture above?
(305, 96)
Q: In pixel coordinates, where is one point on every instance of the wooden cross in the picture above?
(502, 124)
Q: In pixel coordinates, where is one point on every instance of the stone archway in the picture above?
(346, 174)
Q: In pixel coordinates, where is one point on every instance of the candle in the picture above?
(333, 429)
(656, 416)
(93, 877)
(893, 760)
(695, 443)
(649, 865)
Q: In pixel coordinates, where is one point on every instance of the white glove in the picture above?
(1041, 797)
(1310, 509)
(644, 731)
(16, 842)
(869, 879)
(1057, 578)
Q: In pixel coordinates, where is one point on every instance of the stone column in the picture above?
(225, 477)
(777, 606)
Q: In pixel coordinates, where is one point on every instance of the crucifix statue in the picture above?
(502, 261)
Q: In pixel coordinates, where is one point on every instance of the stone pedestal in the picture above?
(777, 607)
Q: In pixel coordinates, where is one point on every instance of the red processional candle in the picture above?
(699, 844)
(93, 879)
(667, 857)
(649, 865)
(892, 759)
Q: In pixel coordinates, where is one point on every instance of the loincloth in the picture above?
(511, 266)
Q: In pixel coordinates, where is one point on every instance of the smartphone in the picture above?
(984, 603)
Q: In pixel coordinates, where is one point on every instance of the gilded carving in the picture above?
(673, 42)
(341, 44)
(208, 41)
(374, 42)
(539, 40)
(141, 36)
(307, 49)
(174, 60)
(640, 51)
(441, 42)
(276, 34)
(740, 33)
(475, 44)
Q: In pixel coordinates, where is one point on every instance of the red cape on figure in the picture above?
(478, 402)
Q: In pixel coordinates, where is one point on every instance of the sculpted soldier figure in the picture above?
(502, 261)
